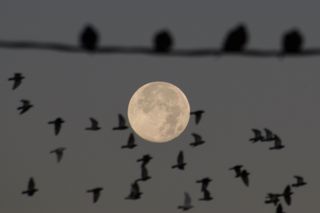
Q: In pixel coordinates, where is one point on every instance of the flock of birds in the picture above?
(135, 192)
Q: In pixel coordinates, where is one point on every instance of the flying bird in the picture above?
(273, 198)
(206, 195)
(245, 177)
(204, 183)
(292, 42)
(198, 115)
(94, 125)
(145, 160)
(96, 193)
(277, 143)
(180, 161)
(237, 169)
(236, 40)
(135, 192)
(59, 153)
(257, 136)
(287, 193)
(144, 174)
(122, 123)
(31, 188)
(89, 38)
(279, 209)
(300, 181)
(198, 140)
(57, 125)
(163, 41)
(269, 135)
(17, 80)
(131, 142)
(187, 202)
(26, 106)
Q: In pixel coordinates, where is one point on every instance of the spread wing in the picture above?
(257, 133)
(187, 199)
(197, 137)
(279, 209)
(122, 121)
(94, 122)
(31, 184)
(245, 179)
(131, 139)
(180, 158)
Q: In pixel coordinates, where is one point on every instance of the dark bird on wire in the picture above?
(94, 125)
(269, 136)
(204, 183)
(31, 188)
(17, 80)
(273, 198)
(237, 169)
(26, 106)
(186, 203)
(279, 209)
(180, 161)
(236, 39)
(257, 136)
(163, 41)
(96, 192)
(89, 38)
(198, 115)
(135, 192)
(144, 174)
(198, 140)
(145, 160)
(245, 177)
(57, 125)
(59, 153)
(131, 142)
(287, 193)
(300, 181)
(206, 195)
(277, 143)
(122, 123)
(292, 42)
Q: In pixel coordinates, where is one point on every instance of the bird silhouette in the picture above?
(277, 143)
(145, 160)
(94, 125)
(135, 192)
(180, 162)
(198, 115)
(144, 174)
(206, 195)
(163, 41)
(31, 188)
(269, 136)
(279, 209)
(292, 42)
(245, 177)
(273, 198)
(237, 169)
(89, 38)
(96, 193)
(204, 183)
(187, 202)
(236, 39)
(198, 140)
(26, 106)
(131, 142)
(122, 123)
(59, 153)
(17, 80)
(257, 136)
(287, 193)
(300, 181)
(57, 125)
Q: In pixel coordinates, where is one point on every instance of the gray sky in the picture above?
(237, 94)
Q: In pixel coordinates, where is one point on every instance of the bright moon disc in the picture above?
(158, 112)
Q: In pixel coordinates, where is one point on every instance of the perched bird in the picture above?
(277, 143)
(144, 174)
(287, 193)
(236, 40)
(269, 135)
(57, 125)
(17, 80)
(122, 123)
(162, 42)
(94, 125)
(180, 161)
(237, 169)
(300, 181)
(198, 115)
(204, 183)
(245, 177)
(89, 38)
(31, 188)
(131, 142)
(292, 42)
(135, 192)
(145, 160)
(206, 195)
(279, 209)
(257, 136)
(187, 203)
(273, 198)
(58, 152)
(26, 106)
(198, 140)
(96, 193)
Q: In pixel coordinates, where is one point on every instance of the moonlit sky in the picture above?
(237, 94)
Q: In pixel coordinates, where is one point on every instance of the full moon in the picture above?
(158, 112)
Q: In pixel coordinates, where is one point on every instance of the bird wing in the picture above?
(144, 172)
(122, 121)
(245, 179)
(197, 137)
(198, 117)
(135, 188)
(180, 158)
(299, 178)
(31, 184)
(131, 139)
(96, 195)
(59, 155)
(187, 199)
(257, 133)
(269, 134)
(279, 209)
(94, 122)
(287, 195)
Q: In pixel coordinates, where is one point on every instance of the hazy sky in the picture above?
(237, 93)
